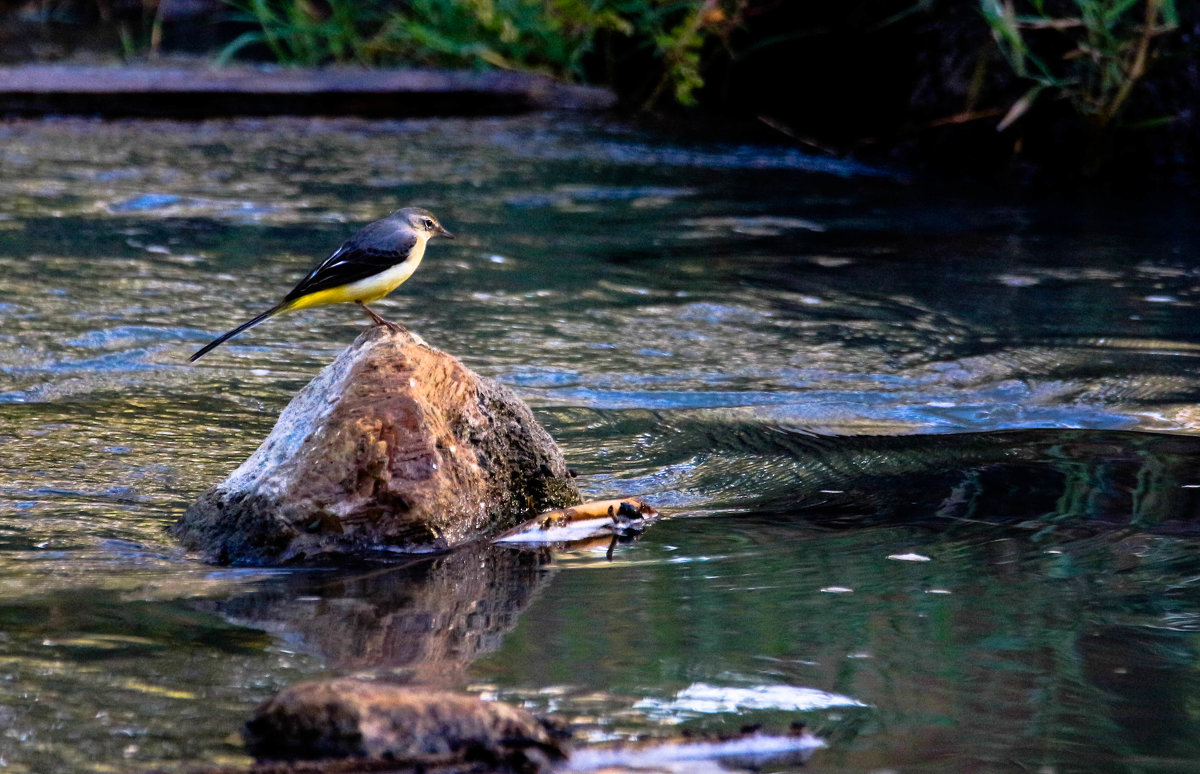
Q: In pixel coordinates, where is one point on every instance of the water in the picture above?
(858, 398)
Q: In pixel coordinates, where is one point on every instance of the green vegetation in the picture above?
(548, 36)
(1078, 88)
(1093, 57)
(1091, 53)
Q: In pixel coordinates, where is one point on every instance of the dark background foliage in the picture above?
(930, 83)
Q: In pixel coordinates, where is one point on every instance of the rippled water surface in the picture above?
(929, 456)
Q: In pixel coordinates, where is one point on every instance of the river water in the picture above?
(928, 455)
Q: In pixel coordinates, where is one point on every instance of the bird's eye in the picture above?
(427, 223)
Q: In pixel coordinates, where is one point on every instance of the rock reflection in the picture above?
(426, 619)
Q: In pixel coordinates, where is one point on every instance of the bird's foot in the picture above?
(391, 326)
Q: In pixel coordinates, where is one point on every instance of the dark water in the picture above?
(930, 456)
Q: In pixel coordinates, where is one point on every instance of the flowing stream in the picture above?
(929, 455)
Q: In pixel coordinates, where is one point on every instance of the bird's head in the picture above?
(423, 222)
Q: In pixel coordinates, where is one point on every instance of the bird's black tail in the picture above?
(226, 336)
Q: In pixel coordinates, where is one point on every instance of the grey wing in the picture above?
(376, 248)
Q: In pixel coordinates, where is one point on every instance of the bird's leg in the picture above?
(394, 327)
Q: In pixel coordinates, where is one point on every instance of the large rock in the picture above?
(393, 446)
(349, 718)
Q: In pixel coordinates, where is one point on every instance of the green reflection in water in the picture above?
(993, 650)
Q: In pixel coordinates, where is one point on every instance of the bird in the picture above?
(366, 267)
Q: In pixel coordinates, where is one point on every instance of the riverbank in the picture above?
(193, 90)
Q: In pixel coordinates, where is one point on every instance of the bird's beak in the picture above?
(443, 233)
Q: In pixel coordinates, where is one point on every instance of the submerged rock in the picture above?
(352, 725)
(349, 718)
(393, 446)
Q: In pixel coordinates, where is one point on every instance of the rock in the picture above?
(395, 446)
(348, 718)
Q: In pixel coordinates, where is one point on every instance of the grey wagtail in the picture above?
(367, 267)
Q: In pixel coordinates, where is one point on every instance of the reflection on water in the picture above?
(426, 619)
(901, 432)
(996, 649)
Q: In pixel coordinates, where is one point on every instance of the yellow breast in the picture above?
(369, 289)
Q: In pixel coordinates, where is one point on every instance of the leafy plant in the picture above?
(298, 32)
(681, 48)
(548, 36)
(1106, 45)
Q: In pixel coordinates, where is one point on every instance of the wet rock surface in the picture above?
(395, 446)
(349, 724)
(349, 718)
